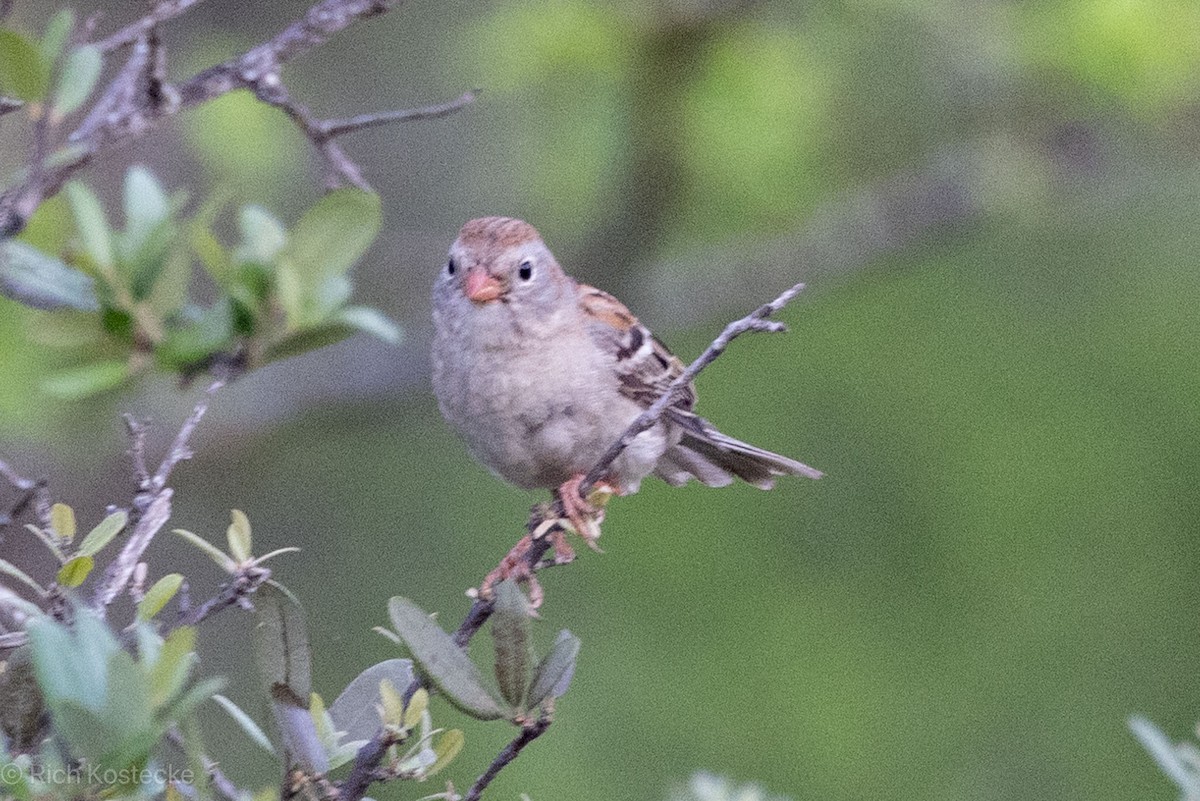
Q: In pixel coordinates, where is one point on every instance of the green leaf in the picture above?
(85, 381)
(75, 571)
(192, 344)
(510, 632)
(213, 552)
(62, 521)
(149, 231)
(391, 703)
(79, 75)
(92, 225)
(247, 724)
(159, 595)
(145, 203)
(281, 642)
(448, 665)
(72, 664)
(553, 674)
(309, 339)
(371, 321)
(354, 712)
(29, 276)
(54, 38)
(334, 234)
(323, 245)
(170, 670)
(23, 72)
(239, 536)
(447, 748)
(263, 236)
(416, 707)
(103, 534)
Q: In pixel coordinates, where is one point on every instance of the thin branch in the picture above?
(9, 104)
(180, 449)
(235, 593)
(754, 321)
(366, 764)
(152, 504)
(163, 10)
(138, 99)
(359, 122)
(510, 752)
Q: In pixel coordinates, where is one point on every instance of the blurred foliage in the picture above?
(118, 300)
(1000, 565)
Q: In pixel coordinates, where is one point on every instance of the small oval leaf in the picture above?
(62, 521)
(23, 71)
(40, 281)
(159, 595)
(213, 552)
(354, 712)
(83, 382)
(75, 571)
(79, 75)
(103, 534)
(447, 748)
(446, 664)
(554, 673)
(510, 633)
(239, 536)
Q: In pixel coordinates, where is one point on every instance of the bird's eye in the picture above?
(451, 267)
(525, 270)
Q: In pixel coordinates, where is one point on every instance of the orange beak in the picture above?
(482, 286)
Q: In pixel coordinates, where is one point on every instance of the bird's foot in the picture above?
(515, 565)
(585, 514)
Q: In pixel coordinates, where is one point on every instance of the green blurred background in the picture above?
(996, 207)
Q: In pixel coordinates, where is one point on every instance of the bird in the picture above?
(540, 374)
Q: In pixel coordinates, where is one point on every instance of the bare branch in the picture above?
(138, 99)
(180, 449)
(163, 10)
(234, 593)
(754, 321)
(8, 104)
(510, 752)
(362, 121)
(152, 504)
(366, 765)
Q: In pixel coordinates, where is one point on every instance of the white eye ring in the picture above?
(525, 270)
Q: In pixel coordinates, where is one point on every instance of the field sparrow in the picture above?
(541, 374)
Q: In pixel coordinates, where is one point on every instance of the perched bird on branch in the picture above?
(541, 375)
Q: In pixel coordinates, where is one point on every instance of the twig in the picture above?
(362, 121)
(8, 104)
(152, 504)
(243, 585)
(180, 449)
(510, 752)
(163, 10)
(754, 321)
(366, 763)
(138, 99)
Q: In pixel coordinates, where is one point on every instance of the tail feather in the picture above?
(714, 458)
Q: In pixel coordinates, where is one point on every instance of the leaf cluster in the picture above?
(123, 300)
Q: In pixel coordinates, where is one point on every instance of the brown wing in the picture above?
(645, 367)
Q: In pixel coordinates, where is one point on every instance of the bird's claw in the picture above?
(585, 515)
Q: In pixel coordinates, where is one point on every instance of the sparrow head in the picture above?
(498, 261)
